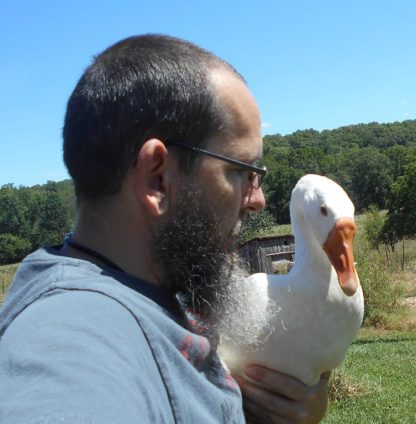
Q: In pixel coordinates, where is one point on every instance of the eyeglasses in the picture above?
(255, 175)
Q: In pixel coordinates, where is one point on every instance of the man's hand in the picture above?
(274, 398)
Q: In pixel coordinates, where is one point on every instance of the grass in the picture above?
(6, 277)
(377, 383)
(388, 286)
(279, 230)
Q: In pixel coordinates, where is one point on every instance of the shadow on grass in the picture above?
(397, 339)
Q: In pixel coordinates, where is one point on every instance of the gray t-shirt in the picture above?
(87, 344)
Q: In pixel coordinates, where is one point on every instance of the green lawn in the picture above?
(381, 366)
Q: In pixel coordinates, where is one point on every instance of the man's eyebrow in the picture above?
(250, 160)
(245, 156)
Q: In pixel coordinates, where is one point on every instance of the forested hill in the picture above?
(366, 159)
(380, 136)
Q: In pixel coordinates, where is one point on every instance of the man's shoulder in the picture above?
(46, 273)
(79, 351)
(70, 314)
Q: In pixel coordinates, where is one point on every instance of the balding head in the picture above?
(143, 87)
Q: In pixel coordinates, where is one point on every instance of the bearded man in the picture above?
(121, 322)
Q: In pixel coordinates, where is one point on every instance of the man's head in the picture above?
(143, 87)
(171, 214)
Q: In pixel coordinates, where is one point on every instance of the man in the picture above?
(120, 324)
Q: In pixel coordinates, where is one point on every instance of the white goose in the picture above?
(319, 302)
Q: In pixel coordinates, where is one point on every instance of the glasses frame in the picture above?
(260, 172)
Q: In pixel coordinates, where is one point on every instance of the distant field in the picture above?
(6, 277)
(278, 230)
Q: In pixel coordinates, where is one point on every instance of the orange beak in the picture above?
(338, 248)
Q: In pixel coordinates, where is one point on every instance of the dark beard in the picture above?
(195, 258)
(200, 265)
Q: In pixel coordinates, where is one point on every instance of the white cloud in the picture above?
(265, 124)
(404, 102)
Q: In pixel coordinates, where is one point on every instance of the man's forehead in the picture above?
(243, 134)
(234, 95)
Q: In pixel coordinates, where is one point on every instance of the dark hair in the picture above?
(141, 87)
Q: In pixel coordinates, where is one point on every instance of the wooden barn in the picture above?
(264, 254)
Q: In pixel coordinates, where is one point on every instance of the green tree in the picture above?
(370, 178)
(373, 227)
(255, 223)
(398, 156)
(401, 218)
(30, 217)
(52, 219)
(13, 248)
(308, 160)
(13, 211)
(278, 187)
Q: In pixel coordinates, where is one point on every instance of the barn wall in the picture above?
(261, 252)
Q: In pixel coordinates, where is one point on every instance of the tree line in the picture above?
(375, 163)
(372, 162)
(32, 216)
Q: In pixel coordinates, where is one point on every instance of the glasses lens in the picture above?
(260, 177)
(255, 179)
(258, 181)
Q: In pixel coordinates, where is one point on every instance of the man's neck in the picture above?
(113, 234)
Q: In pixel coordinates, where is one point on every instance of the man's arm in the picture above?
(274, 398)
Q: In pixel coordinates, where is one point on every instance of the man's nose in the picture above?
(254, 200)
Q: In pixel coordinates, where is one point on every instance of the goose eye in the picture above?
(324, 210)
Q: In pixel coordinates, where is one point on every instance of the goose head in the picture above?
(321, 210)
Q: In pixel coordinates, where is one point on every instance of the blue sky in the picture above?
(315, 64)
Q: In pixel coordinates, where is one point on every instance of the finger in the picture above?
(268, 403)
(277, 382)
(257, 415)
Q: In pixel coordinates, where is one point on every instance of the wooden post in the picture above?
(386, 249)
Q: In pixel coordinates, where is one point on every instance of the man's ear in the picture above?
(153, 176)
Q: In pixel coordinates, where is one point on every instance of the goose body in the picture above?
(319, 304)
